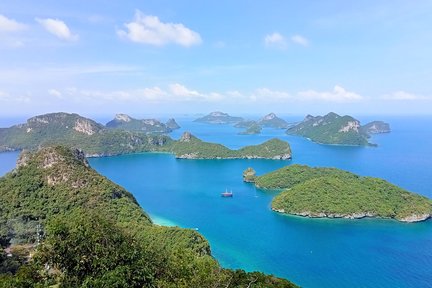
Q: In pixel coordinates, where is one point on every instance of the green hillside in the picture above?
(330, 192)
(92, 233)
(331, 129)
(190, 147)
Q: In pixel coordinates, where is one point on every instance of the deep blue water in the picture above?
(245, 233)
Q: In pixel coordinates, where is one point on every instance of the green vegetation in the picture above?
(289, 176)
(252, 130)
(74, 131)
(149, 126)
(93, 233)
(329, 192)
(331, 129)
(219, 118)
(190, 147)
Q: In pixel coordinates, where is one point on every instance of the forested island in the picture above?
(149, 126)
(190, 147)
(75, 131)
(335, 129)
(334, 193)
(218, 117)
(64, 225)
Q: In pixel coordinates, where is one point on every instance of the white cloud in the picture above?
(10, 25)
(55, 93)
(275, 40)
(180, 90)
(58, 28)
(298, 39)
(339, 94)
(403, 96)
(150, 30)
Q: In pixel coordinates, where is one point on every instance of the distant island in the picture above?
(252, 130)
(335, 129)
(268, 121)
(376, 127)
(219, 118)
(272, 121)
(75, 131)
(334, 193)
(245, 124)
(190, 147)
(149, 126)
(64, 225)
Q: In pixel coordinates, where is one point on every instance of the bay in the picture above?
(245, 233)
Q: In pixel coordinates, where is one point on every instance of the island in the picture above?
(252, 130)
(219, 118)
(333, 129)
(64, 225)
(75, 131)
(190, 147)
(245, 124)
(334, 193)
(149, 126)
(272, 121)
(249, 175)
(172, 124)
(376, 127)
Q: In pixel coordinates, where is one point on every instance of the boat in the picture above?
(227, 194)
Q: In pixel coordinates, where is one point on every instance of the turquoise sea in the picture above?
(245, 233)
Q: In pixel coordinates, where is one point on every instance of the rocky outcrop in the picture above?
(186, 137)
(249, 175)
(350, 126)
(84, 126)
(416, 218)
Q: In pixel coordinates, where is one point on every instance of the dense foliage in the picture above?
(74, 131)
(289, 176)
(336, 193)
(92, 233)
(193, 148)
(329, 129)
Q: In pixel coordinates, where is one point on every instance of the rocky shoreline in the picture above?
(359, 215)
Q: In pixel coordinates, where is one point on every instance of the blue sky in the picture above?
(174, 57)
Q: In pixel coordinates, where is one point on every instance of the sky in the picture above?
(163, 57)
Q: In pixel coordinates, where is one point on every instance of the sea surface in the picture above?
(243, 231)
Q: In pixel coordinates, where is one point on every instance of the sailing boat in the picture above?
(227, 194)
